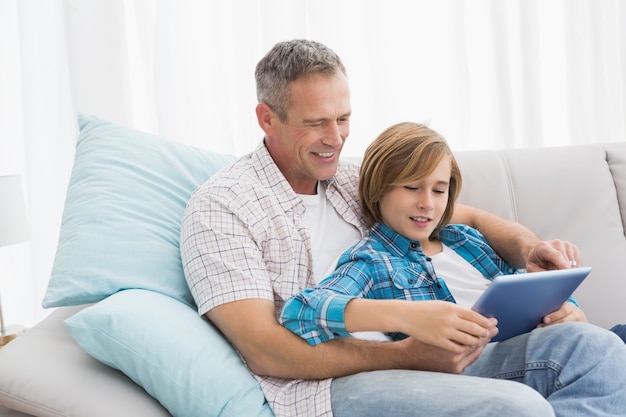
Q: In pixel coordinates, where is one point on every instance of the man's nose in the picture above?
(333, 135)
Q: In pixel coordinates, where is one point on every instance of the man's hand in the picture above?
(567, 313)
(431, 358)
(553, 254)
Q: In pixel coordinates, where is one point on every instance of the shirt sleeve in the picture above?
(221, 260)
(317, 314)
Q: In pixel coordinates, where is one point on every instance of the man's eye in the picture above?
(316, 123)
(410, 188)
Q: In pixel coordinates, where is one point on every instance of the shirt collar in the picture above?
(275, 178)
(395, 242)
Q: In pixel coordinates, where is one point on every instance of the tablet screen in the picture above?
(520, 302)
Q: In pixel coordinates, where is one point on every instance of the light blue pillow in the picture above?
(168, 349)
(124, 206)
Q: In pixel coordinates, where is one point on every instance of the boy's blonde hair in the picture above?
(402, 155)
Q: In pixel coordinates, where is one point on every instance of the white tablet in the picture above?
(521, 301)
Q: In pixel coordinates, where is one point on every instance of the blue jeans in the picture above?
(567, 370)
(620, 330)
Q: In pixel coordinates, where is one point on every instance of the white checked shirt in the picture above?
(243, 237)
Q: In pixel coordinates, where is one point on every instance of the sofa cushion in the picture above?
(121, 221)
(45, 373)
(168, 349)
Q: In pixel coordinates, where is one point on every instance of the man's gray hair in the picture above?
(288, 61)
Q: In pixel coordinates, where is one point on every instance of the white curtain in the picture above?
(485, 73)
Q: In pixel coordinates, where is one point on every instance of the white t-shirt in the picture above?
(465, 282)
(330, 234)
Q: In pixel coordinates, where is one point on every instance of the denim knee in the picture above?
(516, 399)
(584, 337)
(415, 393)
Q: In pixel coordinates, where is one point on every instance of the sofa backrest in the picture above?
(575, 193)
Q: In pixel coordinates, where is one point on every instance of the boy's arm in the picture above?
(434, 322)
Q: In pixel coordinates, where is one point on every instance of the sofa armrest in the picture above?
(45, 373)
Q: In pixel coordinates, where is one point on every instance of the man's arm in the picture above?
(270, 349)
(516, 244)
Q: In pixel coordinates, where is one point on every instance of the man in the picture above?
(277, 219)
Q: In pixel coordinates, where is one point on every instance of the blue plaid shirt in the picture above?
(384, 265)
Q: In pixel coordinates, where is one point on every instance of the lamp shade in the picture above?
(13, 222)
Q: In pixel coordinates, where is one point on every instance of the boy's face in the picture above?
(415, 210)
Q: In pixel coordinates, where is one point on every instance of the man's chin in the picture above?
(327, 173)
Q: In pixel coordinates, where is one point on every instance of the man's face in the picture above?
(307, 145)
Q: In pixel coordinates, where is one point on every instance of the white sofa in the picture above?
(576, 193)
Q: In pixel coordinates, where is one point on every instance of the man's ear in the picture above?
(265, 117)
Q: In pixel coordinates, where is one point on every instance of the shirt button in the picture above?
(413, 245)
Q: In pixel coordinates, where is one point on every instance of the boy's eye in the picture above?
(417, 188)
